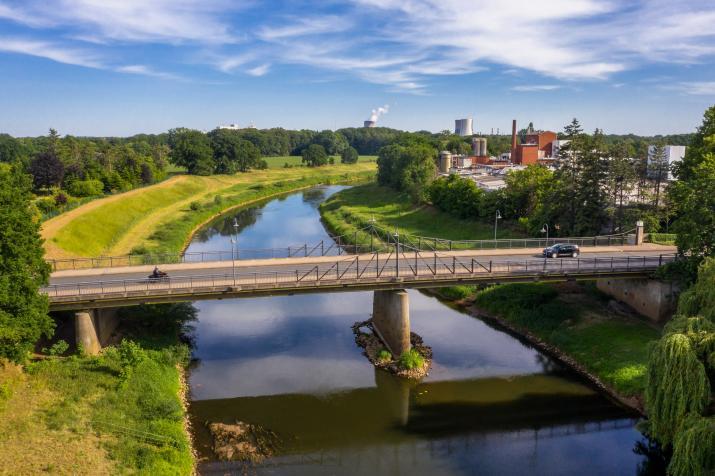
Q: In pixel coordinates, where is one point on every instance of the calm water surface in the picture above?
(491, 405)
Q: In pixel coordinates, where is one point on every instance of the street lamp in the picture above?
(397, 253)
(234, 247)
(497, 216)
(545, 229)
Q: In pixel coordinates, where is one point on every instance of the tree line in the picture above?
(597, 187)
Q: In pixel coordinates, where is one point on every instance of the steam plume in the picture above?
(376, 113)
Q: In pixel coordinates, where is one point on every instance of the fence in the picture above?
(366, 240)
(378, 268)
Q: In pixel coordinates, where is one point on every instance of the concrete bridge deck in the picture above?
(124, 286)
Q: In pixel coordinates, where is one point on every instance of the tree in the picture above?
(349, 156)
(191, 149)
(621, 180)
(315, 156)
(23, 270)
(232, 153)
(417, 170)
(333, 142)
(658, 168)
(387, 162)
(10, 149)
(692, 195)
(47, 170)
(526, 196)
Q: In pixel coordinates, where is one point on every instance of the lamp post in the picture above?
(234, 247)
(545, 229)
(497, 217)
(397, 253)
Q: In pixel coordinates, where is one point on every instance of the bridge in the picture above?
(97, 286)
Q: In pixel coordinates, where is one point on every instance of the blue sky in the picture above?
(118, 67)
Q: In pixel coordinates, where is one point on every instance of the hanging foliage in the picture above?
(677, 385)
(694, 448)
(700, 298)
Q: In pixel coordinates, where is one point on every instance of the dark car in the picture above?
(561, 249)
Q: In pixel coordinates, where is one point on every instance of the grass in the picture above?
(662, 238)
(117, 413)
(614, 348)
(279, 162)
(411, 359)
(352, 209)
(160, 217)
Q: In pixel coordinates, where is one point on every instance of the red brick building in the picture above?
(538, 145)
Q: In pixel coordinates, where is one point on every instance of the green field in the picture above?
(117, 413)
(160, 218)
(353, 209)
(297, 161)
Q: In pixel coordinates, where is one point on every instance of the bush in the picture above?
(60, 199)
(85, 188)
(411, 360)
(383, 355)
(195, 206)
(46, 205)
(58, 348)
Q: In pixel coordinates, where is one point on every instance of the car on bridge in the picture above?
(561, 249)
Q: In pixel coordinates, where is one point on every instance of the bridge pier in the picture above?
(93, 328)
(391, 319)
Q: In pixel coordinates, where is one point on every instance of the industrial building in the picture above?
(538, 146)
(672, 155)
(463, 127)
(370, 123)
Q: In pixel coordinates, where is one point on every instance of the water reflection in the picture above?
(491, 405)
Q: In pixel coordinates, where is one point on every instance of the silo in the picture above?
(475, 146)
(483, 147)
(445, 162)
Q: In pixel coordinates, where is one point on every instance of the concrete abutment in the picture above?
(94, 328)
(391, 319)
(656, 300)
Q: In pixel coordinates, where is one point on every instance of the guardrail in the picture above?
(377, 268)
(367, 240)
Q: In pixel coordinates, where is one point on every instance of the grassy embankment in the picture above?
(161, 218)
(574, 318)
(278, 162)
(117, 413)
(350, 210)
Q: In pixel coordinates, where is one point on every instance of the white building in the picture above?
(673, 154)
(556, 147)
(232, 127)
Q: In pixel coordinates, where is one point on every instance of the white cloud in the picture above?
(697, 88)
(51, 51)
(259, 70)
(172, 21)
(397, 43)
(536, 87)
(146, 71)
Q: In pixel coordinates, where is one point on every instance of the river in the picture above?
(491, 404)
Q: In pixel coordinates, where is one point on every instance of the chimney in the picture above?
(513, 136)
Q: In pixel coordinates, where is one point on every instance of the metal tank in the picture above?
(445, 162)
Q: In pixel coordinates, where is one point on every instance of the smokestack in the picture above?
(513, 136)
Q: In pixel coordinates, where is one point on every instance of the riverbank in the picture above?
(161, 218)
(119, 412)
(573, 322)
(350, 210)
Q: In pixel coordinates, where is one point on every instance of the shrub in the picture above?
(411, 359)
(195, 206)
(60, 199)
(383, 355)
(218, 200)
(46, 205)
(58, 348)
(85, 188)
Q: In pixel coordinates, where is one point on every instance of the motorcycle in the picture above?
(158, 276)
